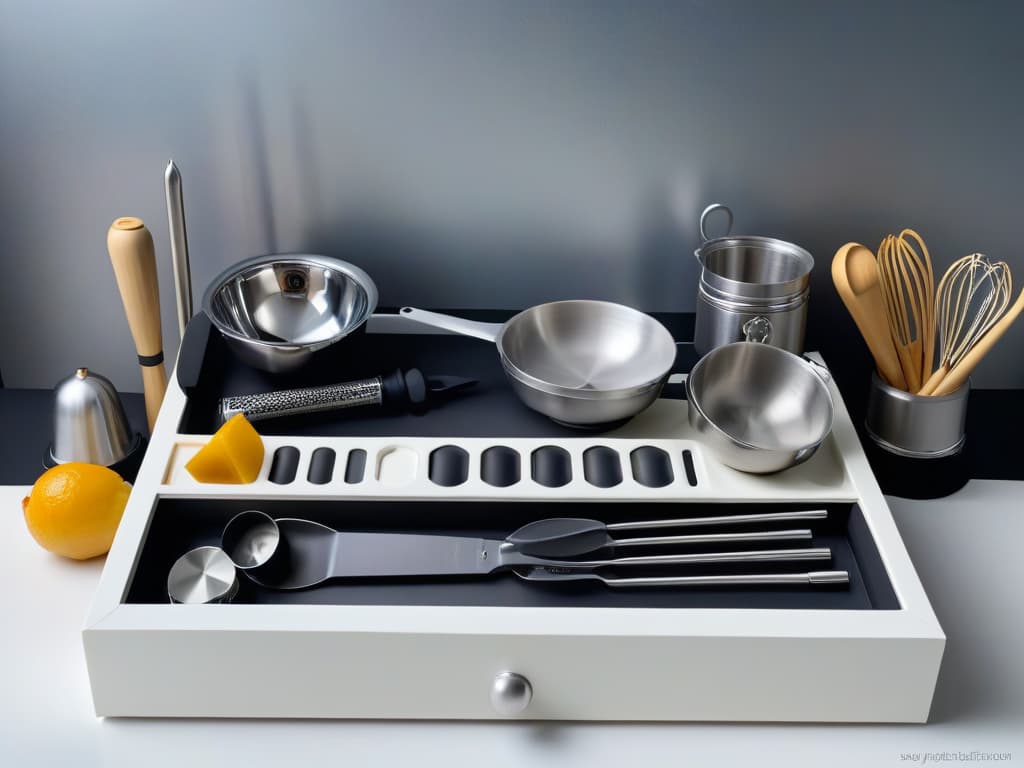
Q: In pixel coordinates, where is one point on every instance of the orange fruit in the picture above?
(74, 509)
(233, 455)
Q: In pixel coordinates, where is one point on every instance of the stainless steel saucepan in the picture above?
(583, 363)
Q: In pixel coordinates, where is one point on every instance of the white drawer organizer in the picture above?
(873, 656)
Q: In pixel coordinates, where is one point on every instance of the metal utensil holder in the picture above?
(915, 426)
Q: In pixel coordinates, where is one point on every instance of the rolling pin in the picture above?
(131, 252)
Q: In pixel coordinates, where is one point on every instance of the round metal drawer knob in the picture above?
(510, 693)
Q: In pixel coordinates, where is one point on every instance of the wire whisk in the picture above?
(972, 295)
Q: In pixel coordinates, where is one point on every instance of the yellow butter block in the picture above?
(233, 455)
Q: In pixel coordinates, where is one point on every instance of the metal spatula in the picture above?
(572, 536)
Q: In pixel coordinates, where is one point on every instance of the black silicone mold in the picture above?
(449, 466)
(601, 466)
(284, 465)
(651, 466)
(500, 466)
(689, 468)
(355, 467)
(321, 466)
(551, 466)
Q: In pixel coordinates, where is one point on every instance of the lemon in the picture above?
(74, 509)
(233, 455)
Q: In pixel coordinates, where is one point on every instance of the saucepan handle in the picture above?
(819, 369)
(478, 330)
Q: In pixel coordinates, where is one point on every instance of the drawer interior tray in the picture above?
(180, 524)
(208, 370)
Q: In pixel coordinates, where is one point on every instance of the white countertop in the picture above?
(966, 549)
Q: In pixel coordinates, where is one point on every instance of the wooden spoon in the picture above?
(855, 275)
(959, 373)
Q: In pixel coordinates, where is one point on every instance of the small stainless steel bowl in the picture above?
(275, 311)
(759, 408)
(202, 575)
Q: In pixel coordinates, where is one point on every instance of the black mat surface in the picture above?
(208, 371)
(179, 525)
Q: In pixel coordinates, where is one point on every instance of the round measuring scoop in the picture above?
(202, 575)
(250, 539)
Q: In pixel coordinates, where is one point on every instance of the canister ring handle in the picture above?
(709, 210)
(758, 330)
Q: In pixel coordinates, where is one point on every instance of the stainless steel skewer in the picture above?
(811, 578)
(761, 517)
(179, 245)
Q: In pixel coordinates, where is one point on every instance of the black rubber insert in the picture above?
(179, 525)
(691, 470)
(488, 409)
(284, 465)
(321, 466)
(651, 467)
(449, 466)
(601, 466)
(355, 468)
(500, 466)
(551, 466)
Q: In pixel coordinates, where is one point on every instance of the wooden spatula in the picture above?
(855, 275)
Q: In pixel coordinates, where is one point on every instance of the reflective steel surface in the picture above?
(276, 310)
(202, 575)
(759, 408)
(89, 421)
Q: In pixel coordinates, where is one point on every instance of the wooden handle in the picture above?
(154, 384)
(131, 253)
(959, 373)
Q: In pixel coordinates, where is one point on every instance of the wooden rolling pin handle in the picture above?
(154, 385)
(132, 255)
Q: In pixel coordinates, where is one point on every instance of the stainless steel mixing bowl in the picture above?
(276, 310)
(759, 408)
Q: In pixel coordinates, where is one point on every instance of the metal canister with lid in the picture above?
(750, 279)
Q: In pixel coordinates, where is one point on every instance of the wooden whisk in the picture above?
(908, 289)
(972, 296)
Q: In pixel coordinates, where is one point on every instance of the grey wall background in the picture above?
(485, 153)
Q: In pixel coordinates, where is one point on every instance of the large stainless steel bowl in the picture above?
(276, 310)
(759, 408)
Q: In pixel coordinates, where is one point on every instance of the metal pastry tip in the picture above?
(828, 577)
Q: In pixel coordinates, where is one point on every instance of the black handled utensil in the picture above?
(572, 536)
(403, 390)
